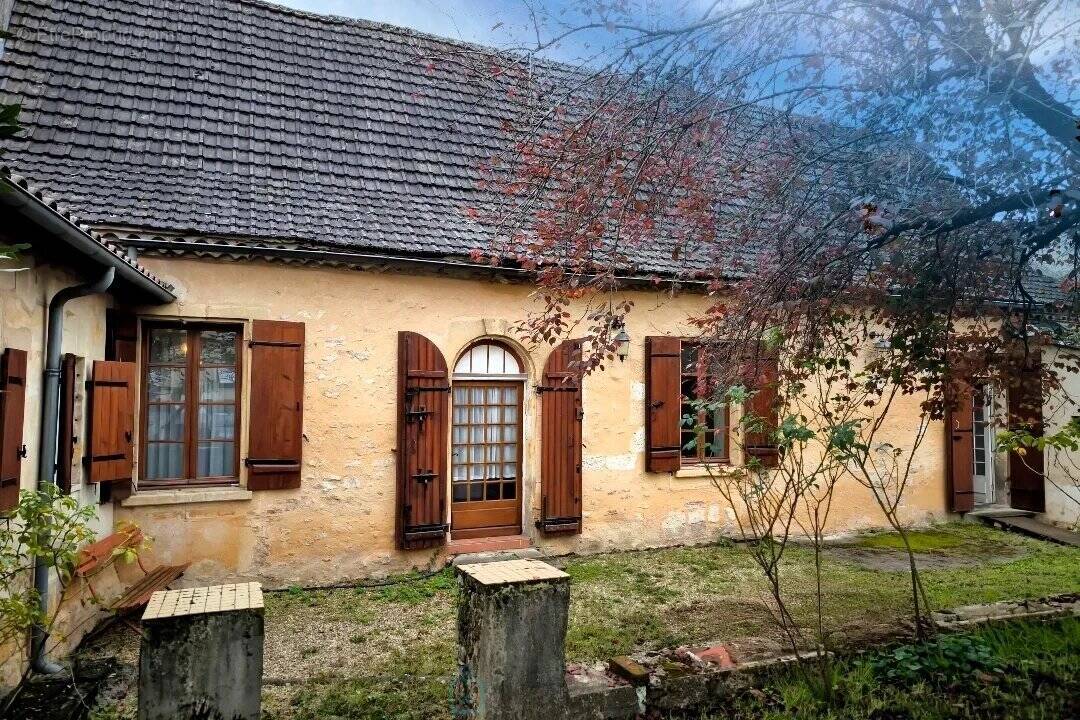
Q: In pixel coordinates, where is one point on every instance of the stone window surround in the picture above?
(187, 496)
(699, 470)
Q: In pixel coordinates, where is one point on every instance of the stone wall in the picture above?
(340, 524)
(24, 301)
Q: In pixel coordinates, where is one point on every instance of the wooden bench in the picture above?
(97, 556)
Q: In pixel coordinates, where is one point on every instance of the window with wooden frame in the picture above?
(190, 403)
(486, 440)
(704, 423)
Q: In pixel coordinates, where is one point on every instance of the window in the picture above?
(703, 430)
(190, 408)
(486, 441)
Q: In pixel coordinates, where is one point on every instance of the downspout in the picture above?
(50, 410)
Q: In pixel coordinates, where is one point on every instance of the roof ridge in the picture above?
(330, 18)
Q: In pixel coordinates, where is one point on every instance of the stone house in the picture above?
(323, 385)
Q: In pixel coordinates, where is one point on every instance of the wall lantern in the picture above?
(622, 344)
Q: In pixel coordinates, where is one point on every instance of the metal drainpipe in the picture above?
(50, 410)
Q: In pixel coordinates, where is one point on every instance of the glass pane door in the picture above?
(486, 454)
(983, 438)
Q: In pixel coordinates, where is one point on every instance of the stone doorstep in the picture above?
(488, 545)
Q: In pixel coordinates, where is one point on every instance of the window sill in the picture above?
(700, 471)
(186, 496)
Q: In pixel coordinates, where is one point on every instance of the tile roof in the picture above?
(247, 123)
(245, 119)
(13, 182)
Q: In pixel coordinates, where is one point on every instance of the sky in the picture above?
(470, 20)
(496, 23)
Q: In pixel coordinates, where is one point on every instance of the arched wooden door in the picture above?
(486, 442)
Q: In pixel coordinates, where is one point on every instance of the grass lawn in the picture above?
(1019, 671)
(388, 652)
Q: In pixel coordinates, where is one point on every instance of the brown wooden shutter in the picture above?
(112, 421)
(764, 404)
(121, 343)
(12, 405)
(960, 459)
(121, 335)
(423, 416)
(663, 403)
(560, 440)
(1026, 487)
(65, 434)
(276, 424)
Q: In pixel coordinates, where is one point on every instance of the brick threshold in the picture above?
(492, 544)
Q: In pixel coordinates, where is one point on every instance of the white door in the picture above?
(983, 437)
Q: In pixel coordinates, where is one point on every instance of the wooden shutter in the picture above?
(663, 403)
(764, 404)
(423, 415)
(1026, 487)
(960, 459)
(65, 433)
(12, 404)
(276, 425)
(112, 421)
(560, 439)
(121, 335)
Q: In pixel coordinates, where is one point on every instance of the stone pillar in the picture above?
(511, 641)
(201, 656)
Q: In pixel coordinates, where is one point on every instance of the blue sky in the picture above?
(498, 23)
(470, 20)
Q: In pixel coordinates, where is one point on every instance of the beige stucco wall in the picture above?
(340, 524)
(1062, 483)
(25, 291)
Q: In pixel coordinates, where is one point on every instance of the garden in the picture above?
(387, 650)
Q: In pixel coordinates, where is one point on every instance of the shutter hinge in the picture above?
(551, 388)
(560, 524)
(424, 477)
(414, 391)
(274, 343)
(22, 451)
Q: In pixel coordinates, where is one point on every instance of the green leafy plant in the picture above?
(46, 525)
(940, 661)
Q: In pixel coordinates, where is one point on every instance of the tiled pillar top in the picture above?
(201, 600)
(512, 572)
